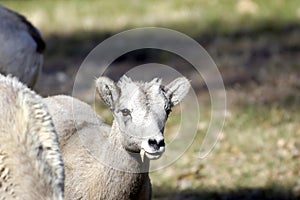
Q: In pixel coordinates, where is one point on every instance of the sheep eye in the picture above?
(125, 112)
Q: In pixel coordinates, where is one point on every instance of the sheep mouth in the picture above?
(150, 155)
(154, 156)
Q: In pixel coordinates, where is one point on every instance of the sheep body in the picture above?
(30, 161)
(87, 177)
(104, 162)
(21, 47)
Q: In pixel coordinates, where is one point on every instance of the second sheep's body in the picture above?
(31, 166)
(22, 47)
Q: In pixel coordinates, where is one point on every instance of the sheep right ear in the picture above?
(177, 89)
(108, 91)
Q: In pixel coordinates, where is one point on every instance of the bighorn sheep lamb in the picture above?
(104, 162)
(31, 166)
(21, 49)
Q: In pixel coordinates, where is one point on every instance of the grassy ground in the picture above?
(192, 15)
(256, 157)
(256, 45)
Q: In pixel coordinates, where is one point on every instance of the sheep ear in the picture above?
(108, 91)
(176, 90)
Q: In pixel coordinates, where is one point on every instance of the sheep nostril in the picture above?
(156, 145)
(153, 143)
(161, 143)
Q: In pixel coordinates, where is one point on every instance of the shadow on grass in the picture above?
(79, 44)
(272, 193)
(241, 56)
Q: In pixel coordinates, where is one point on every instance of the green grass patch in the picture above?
(191, 17)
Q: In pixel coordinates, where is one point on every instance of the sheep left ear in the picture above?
(177, 89)
(108, 91)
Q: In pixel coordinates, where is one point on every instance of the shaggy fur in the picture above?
(31, 167)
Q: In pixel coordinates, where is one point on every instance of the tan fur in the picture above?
(31, 167)
(104, 162)
(87, 177)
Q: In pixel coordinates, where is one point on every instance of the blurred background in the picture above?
(256, 46)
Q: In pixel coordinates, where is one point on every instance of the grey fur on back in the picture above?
(21, 47)
(104, 162)
(31, 166)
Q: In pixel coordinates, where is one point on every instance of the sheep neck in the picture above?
(133, 159)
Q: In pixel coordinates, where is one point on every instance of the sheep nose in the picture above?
(156, 144)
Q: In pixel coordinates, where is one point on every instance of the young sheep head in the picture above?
(140, 110)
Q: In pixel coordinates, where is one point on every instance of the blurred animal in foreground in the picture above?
(21, 47)
(104, 162)
(31, 166)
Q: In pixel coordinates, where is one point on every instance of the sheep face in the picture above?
(141, 110)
